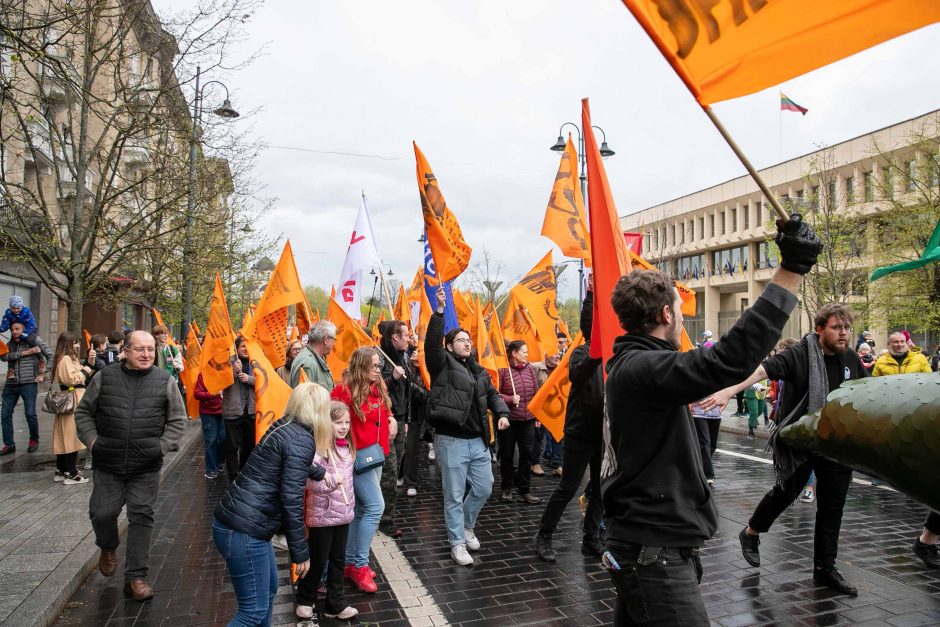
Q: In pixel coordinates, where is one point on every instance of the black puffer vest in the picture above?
(130, 420)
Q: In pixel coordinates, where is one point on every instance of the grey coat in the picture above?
(25, 368)
(233, 399)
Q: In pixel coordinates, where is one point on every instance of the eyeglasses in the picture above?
(331, 337)
(462, 340)
(143, 350)
(377, 366)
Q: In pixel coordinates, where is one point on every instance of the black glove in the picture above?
(799, 246)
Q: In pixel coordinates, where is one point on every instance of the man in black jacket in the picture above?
(584, 440)
(130, 417)
(658, 505)
(461, 393)
(818, 364)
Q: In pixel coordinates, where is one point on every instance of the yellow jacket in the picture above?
(914, 362)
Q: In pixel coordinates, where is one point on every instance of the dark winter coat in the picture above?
(133, 417)
(523, 380)
(461, 390)
(209, 404)
(584, 415)
(269, 490)
(657, 494)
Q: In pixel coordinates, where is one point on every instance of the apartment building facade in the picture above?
(718, 240)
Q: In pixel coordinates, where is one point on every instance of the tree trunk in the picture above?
(75, 304)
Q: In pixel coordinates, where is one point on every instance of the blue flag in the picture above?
(450, 312)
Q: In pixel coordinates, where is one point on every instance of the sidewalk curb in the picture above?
(760, 434)
(44, 604)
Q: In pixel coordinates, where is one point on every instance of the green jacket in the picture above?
(314, 366)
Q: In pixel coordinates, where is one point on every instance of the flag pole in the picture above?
(388, 298)
(744, 161)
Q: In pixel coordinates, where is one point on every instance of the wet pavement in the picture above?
(420, 585)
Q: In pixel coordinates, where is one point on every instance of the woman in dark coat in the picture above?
(269, 494)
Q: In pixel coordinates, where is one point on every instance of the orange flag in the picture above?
(159, 320)
(724, 50)
(316, 315)
(483, 341)
(195, 328)
(686, 294)
(402, 310)
(498, 343)
(4, 349)
(376, 334)
(294, 334)
(219, 345)
(518, 325)
(191, 372)
(550, 402)
(537, 292)
(268, 324)
(562, 327)
(449, 251)
(302, 376)
(565, 223)
(464, 310)
(271, 393)
(609, 250)
(349, 337)
(87, 336)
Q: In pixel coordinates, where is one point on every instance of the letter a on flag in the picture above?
(724, 50)
(362, 254)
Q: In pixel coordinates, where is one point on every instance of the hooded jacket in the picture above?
(25, 368)
(912, 362)
(330, 504)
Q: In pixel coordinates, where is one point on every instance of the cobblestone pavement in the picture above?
(508, 586)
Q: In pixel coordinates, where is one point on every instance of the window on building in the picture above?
(744, 304)
(730, 261)
(747, 216)
(672, 231)
(701, 226)
(691, 267)
(868, 184)
(910, 175)
(934, 172)
(850, 190)
(711, 224)
(721, 220)
(814, 198)
(766, 256)
(734, 219)
(890, 182)
(832, 198)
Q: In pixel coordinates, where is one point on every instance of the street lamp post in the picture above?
(225, 111)
(375, 282)
(605, 151)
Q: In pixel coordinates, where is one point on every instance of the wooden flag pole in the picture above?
(744, 161)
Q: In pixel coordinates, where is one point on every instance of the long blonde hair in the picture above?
(326, 441)
(309, 404)
(357, 380)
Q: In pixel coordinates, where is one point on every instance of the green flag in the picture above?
(931, 254)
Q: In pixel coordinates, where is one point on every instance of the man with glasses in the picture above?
(130, 417)
(818, 364)
(320, 342)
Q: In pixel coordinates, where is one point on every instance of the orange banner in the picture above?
(191, 372)
(402, 310)
(218, 347)
(349, 336)
(158, 319)
(4, 349)
(87, 337)
(723, 50)
(449, 250)
(464, 310)
(271, 393)
(551, 401)
(518, 325)
(564, 222)
(537, 292)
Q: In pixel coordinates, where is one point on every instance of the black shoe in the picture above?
(390, 530)
(506, 496)
(543, 547)
(832, 578)
(591, 547)
(529, 499)
(927, 553)
(749, 547)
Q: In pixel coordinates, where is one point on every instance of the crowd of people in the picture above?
(326, 476)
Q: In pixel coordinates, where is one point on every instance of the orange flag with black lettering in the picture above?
(449, 250)
(191, 372)
(537, 292)
(723, 50)
(271, 392)
(218, 347)
(550, 402)
(464, 310)
(518, 325)
(564, 222)
(349, 336)
(268, 324)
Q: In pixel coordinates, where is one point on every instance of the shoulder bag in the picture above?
(371, 456)
(59, 401)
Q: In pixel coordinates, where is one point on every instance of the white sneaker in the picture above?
(808, 496)
(412, 492)
(400, 483)
(346, 614)
(431, 455)
(460, 555)
(304, 611)
(58, 476)
(472, 542)
(280, 542)
(88, 464)
(75, 479)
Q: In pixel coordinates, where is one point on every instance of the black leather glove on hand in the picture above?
(799, 246)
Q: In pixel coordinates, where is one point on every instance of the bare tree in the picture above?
(482, 277)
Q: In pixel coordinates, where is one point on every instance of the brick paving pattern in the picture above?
(509, 586)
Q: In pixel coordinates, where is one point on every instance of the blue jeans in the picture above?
(369, 508)
(554, 451)
(213, 438)
(253, 569)
(467, 479)
(538, 445)
(11, 394)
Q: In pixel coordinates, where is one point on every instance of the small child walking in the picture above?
(329, 509)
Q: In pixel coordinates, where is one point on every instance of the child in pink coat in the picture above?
(328, 510)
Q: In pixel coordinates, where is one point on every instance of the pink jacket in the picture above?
(326, 506)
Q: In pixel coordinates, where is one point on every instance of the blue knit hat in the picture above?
(16, 302)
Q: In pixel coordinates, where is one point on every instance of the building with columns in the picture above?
(718, 240)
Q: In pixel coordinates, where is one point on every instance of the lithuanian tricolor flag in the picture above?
(788, 105)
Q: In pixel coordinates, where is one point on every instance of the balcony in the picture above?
(39, 137)
(67, 186)
(59, 81)
(141, 91)
(135, 153)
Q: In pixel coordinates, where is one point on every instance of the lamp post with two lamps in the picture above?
(227, 112)
(605, 151)
(375, 283)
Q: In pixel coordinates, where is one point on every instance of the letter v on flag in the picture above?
(361, 254)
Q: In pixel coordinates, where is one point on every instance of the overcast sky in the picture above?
(483, 87)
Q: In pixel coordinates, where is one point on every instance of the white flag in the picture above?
(361, 255)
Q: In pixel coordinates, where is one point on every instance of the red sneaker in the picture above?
(362, 577)
(349, 568)
(33, 445)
